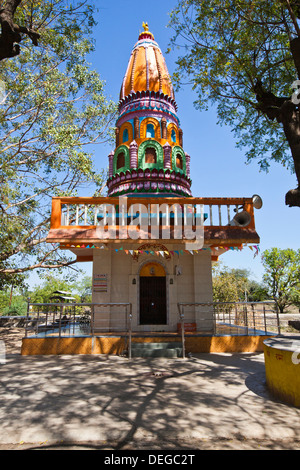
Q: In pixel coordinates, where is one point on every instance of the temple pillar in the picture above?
(164, 128)
(167, 155)
(110, 164)
(188, 165)
(136, 126)
(180, 137)
(117, 136)
(133, 152)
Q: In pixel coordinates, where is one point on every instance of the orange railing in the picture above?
(86, 213)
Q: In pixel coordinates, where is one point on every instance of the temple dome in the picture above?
(146, 70)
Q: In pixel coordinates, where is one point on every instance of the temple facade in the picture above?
(151, 242)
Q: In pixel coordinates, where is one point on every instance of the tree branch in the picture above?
(268, 103)
(11, 33)
(40, 266)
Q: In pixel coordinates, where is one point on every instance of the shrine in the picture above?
(151, 241)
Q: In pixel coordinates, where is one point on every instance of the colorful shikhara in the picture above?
(149, 158)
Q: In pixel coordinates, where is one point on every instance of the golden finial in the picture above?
(146, 31)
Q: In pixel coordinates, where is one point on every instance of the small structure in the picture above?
(62, 296)
(282, 363)
(151, 242)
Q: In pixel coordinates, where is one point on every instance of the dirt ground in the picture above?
(12, 338)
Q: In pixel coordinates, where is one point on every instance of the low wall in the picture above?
(12, 321)
(77, 345)
(295, 324)
(282, 364)
(218, 344)
(116, 345)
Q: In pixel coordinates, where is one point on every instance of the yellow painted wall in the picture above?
(84, 345)
(116, 345)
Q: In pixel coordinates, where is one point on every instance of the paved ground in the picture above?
(209, 401)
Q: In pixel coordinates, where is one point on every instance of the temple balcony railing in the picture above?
(230, 220)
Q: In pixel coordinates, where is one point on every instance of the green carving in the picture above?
(159, 155)
(125, 149)
(176, 149)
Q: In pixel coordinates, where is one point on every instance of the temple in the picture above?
(152, 243)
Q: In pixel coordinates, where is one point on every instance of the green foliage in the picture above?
(226, 287)
(80, 287)
(43, 292)
(257, 292)
(234, 285)
(228, 46)
(295, 297)
(55, 108)
(13, 302)
(16, 280)
(84, 289)
(18, 307)
(282, 275)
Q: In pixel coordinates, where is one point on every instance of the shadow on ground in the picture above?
(99, 402)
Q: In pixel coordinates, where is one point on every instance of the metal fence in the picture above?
(244, 318)
(76, 319)
(228, 319)
(206, 318)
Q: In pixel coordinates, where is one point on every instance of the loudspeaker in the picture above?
(257, 201)
(241, 219)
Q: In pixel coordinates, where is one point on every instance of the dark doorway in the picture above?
(153, 300)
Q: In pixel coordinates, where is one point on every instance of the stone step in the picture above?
(168, 353)
(160, 345)
(164, 349)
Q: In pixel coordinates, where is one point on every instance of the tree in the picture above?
(282, 275)
(84, 289)
(15, 304)
(296, 298)
(229, 285)
(234, 285)
(43, 292)
(55, 108)
(244, 57)
(257, 292)
(80, 287)
(12, 33)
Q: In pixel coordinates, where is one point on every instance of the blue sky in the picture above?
(217, 167)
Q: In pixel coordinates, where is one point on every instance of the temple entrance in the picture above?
(153, 295)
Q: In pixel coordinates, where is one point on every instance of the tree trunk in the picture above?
(9, 38)
(290, 118)
(287, 113)
(10, 32)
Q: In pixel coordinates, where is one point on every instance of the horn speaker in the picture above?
(241, 219)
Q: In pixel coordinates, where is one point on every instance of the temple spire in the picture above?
(146, 33)
(148, 156)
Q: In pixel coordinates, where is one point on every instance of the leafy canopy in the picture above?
(282, 275)
(237, 55)
(235, 285)
(54, 109)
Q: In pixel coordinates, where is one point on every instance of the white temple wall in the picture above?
(116, 280)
